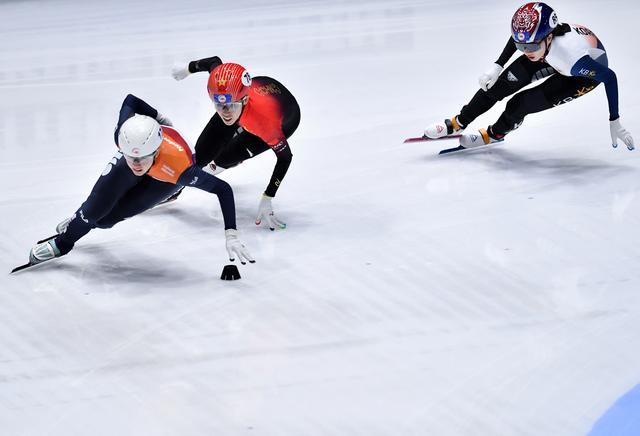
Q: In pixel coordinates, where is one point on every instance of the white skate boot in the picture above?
(43, 252)
(481, 137)
(62, 225)
(443, 129)
(213, 169)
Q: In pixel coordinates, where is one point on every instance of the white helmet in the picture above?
(139, 136)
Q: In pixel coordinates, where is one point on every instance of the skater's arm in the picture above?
(182, 70)
(508, 51)
(284, 156)
(130, 106)
(588, 67)
(206, 64)
(195, 177)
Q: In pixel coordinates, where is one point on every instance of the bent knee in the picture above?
(515, 104)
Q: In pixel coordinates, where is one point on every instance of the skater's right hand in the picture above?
(489, 78)
(235, 248)
(179, 71)
(619, 132)
(164, 120)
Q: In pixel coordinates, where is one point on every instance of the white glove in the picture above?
(619, 132)
(235, 248)
(164, 120)
(488, 78)
(180, 71)
(265, 212)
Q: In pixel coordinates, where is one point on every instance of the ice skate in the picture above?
(481, 137)
(43, 252)
(213, 169)
(442, 129)
(62, 225)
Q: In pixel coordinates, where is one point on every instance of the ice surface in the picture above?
(492, 293)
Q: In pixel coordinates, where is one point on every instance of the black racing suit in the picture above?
(554, 91)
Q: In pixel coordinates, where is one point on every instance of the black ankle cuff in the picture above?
(494, 135)
(449, 125)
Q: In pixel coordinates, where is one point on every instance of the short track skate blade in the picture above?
(46, 239)
(427, 139)
(453, 150)
(22, 267)
(462, 148)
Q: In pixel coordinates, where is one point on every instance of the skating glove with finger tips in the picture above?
(619, 132)
(265, 213)
(235, 248)
(489, 78)
(164, 120)
(179, 71)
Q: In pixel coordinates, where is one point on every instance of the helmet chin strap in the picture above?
(245, 100)
(547, 44)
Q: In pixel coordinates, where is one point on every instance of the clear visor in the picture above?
(224, 103)
(531, 47)
(140, 160)
(230, 108)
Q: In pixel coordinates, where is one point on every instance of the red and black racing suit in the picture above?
(269, 118)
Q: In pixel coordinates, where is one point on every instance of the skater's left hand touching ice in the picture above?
(619, 132)
(235, 247)
(265, 213)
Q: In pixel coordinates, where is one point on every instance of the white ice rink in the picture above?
(491, 293)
